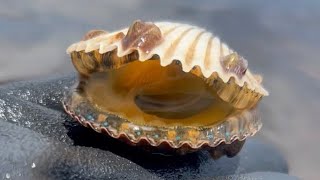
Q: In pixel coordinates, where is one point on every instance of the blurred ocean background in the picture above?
(280, 39)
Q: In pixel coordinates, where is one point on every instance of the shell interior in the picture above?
(234, 128)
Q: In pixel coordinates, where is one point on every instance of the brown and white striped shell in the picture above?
(198, 52)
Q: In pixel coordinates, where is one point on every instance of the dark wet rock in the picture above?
(259, 175)
(40, 141)
(29, 155)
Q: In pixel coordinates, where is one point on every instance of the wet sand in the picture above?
(280, 40)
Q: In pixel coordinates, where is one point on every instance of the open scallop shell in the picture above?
(198, 52)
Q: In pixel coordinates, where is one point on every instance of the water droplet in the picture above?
(105, 124)
(28, 123)
(62, 138)
(210, 134)
(137, 130)
(23, 96)
(156, 136)
(33, 165)
(89, 117)
(7, 175)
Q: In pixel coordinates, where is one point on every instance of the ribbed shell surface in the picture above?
(191, 45)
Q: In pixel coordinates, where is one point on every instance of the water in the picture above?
(279, 39)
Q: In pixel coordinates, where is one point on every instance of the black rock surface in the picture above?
(40, 141)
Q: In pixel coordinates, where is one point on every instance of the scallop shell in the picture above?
(191, 45)
(198, 52)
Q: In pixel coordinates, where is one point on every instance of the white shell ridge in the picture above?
(191, 45)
